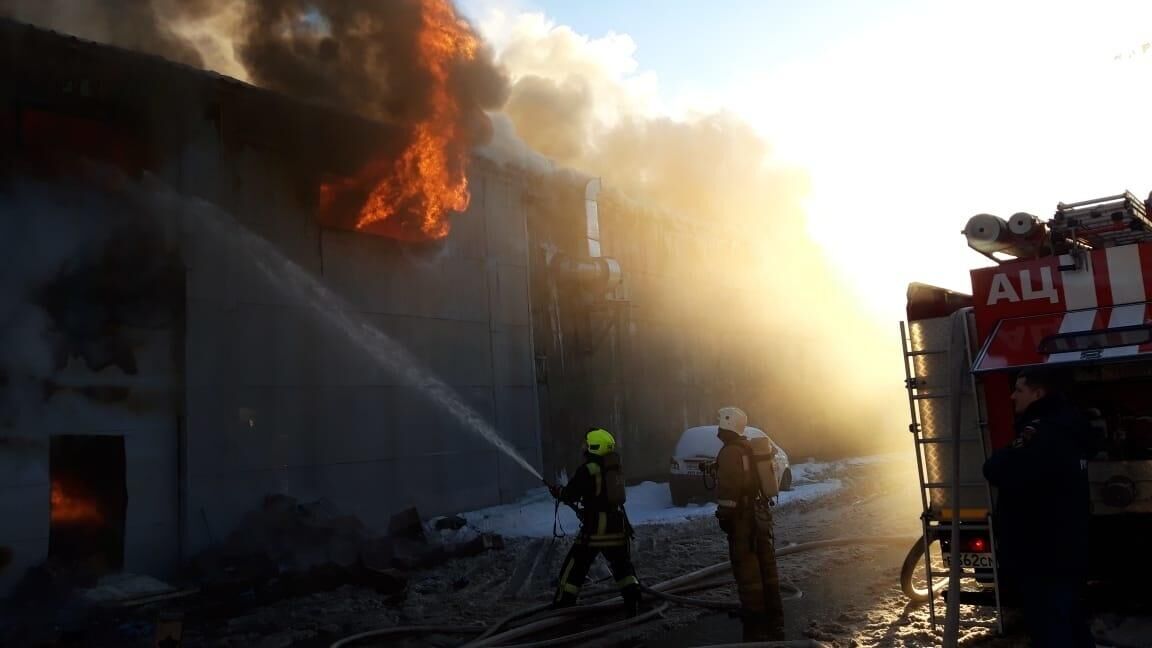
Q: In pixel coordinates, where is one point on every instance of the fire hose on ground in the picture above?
(545, 619)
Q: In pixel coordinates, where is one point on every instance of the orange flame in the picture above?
(427, 180)
(69, 509)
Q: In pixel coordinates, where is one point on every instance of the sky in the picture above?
(909, 117)
(690, 60)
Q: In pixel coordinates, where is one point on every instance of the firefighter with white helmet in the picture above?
(742, 508)
(596, 491)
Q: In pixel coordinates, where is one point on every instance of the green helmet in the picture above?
(600, 442)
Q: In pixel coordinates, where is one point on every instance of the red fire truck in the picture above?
(1072, 293)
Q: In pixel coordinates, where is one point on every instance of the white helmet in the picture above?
(732, 418)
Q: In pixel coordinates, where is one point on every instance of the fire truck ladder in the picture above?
(1104, 222)
(931, 394)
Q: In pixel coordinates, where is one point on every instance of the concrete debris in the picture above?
(388, 582)
(449, 523)
(463, 535)
(406, 525)
(125, 587)
(523, 569)
(219, 572)
(319, 546)
(326, 615)
(299, 537)
(377, 553)
(479, 544)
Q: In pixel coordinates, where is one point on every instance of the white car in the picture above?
(701, 445)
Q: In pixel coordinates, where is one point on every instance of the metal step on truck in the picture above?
(1070, 294)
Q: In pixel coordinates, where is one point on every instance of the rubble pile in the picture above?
(310, 546)
(297, 537)
(318, 572)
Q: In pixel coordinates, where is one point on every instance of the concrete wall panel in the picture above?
(507, 286)
(328, 419)
(505, 226)
(456, 482)
(376, 276)
(518, 416)
(26, 506)
(357, 423)
(272, 399)
(210, 336)
(512, 354)
(26, 554)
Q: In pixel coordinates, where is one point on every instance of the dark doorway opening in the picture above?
(88, 504)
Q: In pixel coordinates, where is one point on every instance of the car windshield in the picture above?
(703, 442)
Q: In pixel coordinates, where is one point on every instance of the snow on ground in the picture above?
(1123, 632)
(648, 503)
(851, 595)
(892, 622)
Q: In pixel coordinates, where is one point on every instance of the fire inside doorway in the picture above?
(88, 503)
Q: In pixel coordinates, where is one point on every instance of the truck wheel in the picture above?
(679, 493)
(913, 581)
(786, 480)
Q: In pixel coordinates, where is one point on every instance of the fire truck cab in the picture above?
(1071, 294)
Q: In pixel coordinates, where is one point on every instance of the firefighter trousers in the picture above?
(752, 550)
(1055, 616)
(579, 561)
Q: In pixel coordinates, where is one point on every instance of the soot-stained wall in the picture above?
(226, 384)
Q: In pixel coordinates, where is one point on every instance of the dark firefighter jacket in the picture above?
(1043, 504)
(601, 524)
(736, 487)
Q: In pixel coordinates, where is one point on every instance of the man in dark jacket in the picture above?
(1042, 512)
(604, 525)
(745, 517)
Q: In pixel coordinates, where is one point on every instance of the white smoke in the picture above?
(41, 233)
(569, 90)
(586, 103)
(506, 147)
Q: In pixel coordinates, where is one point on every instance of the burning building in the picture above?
(170, 386)
(157, 383)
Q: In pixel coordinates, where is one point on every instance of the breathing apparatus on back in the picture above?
(600, 449)
(761, 453)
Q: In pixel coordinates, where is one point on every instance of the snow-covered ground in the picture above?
(851, 595)
(648, 503)
(1122, 632)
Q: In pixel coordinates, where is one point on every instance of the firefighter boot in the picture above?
(760, 627)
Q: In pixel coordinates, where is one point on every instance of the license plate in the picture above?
(972, 560)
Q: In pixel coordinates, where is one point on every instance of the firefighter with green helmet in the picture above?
(596, 492)
(745, 486)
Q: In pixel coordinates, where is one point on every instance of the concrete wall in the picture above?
(91, 328)
(260, 395)
(149, 430)
(280, 402)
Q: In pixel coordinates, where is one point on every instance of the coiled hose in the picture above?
(491, 636)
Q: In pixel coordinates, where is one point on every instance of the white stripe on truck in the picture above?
(1125, 276)
(1079, 284)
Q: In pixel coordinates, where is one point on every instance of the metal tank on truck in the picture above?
(1071, 294)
